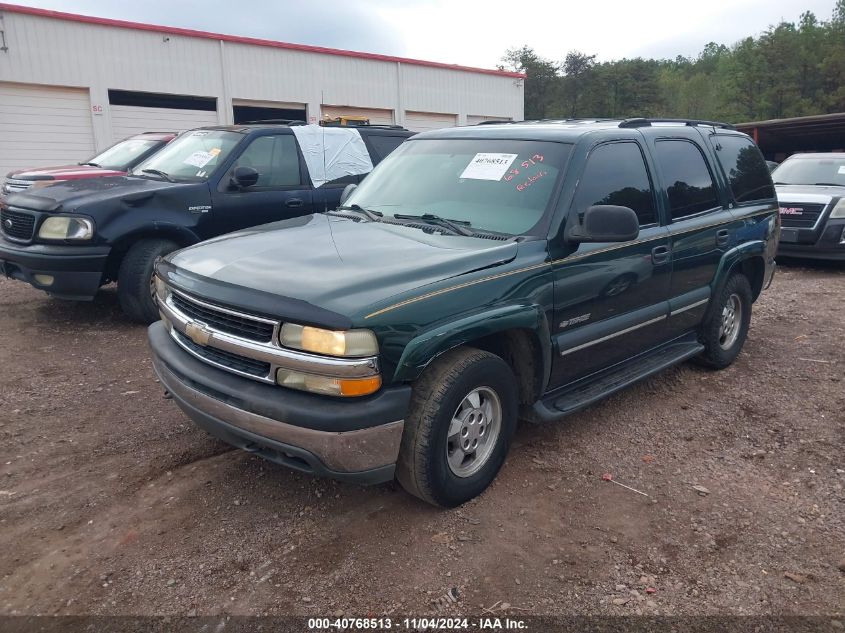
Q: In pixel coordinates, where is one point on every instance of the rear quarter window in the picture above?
(745, 168)
(383, 145)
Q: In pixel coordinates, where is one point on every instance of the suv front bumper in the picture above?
(76, 271)
(803, 243)
(355, 439)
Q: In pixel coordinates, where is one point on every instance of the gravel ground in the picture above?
(112, 502)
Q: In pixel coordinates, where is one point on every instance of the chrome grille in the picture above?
(15, 185)
(252, 329)
(17, 225)
(235, 362)
(799, 214)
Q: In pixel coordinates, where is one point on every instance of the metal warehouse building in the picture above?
(71, 85)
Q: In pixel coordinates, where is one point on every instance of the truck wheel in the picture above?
(463, 414)
(723, 333)
(135, 288)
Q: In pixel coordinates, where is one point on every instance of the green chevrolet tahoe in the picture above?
(477, 276)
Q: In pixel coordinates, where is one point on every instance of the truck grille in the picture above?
(17, 225)
(15, 185)
(800, 215)
(225, 321)
(235, 362)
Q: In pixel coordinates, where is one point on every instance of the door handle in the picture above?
(294, 203)
(659, 255)
(723, 236)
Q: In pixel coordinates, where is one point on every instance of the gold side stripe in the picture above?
(458, 287)
(570, 258)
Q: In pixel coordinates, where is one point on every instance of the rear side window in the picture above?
(383, 145)
(745, 168)
(616, 174)
(687, 178)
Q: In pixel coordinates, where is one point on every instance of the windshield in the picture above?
(193, 156)
(502, 186)
(122, 155)
(810, 171)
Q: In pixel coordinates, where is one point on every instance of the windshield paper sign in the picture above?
(488, 166)
(199, 159)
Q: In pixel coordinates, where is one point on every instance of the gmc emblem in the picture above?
(792, 211)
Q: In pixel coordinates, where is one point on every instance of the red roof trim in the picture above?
(172, 30)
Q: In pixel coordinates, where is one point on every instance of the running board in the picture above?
(561, 403)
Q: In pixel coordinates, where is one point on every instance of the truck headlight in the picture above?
(839, 209)
(329, 342)
(66, 227)
(160, 288)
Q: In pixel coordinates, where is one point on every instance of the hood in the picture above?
(809, 194)
(70, 195)
(63, 172)
(339, 264)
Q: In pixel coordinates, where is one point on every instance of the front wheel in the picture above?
(135, 288)
(462, 416)
(726, 328)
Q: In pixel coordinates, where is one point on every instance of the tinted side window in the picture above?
(383, 145)
(687, 178)
(616, 174)
(745, 168)
(274, 158)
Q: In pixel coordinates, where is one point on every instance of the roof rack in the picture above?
(367, 126)
(641, 122)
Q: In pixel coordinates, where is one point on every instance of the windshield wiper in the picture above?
(371, 215)
(158, 172)
(829, 184)
(89, 164)
(430, 218)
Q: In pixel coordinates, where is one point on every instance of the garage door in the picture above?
(422, 121)
(376, 116)
(43, 125)
(474, 119)
(129, 120)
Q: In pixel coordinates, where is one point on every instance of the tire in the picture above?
(445, 390)
(726, 328)
(134, 279)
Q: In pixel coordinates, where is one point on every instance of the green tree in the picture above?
(541, 77)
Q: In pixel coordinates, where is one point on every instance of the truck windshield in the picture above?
(810, 171)
(194, 156)
(495, 185)
(120, 156)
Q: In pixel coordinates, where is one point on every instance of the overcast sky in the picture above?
(469, 32)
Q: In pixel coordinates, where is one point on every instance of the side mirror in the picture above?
(606, 223)
(244, 177)
(347, 191)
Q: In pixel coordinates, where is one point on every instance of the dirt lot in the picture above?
(112, 502)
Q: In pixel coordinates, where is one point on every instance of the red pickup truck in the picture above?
(115, 161)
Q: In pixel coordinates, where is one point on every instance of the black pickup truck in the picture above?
(478, 275)
(70, 238)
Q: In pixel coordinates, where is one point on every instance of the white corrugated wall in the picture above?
(98, 57)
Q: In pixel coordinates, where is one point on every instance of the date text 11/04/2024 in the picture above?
(417, 624)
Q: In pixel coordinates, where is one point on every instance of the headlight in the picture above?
(66, 227)
(329, 342)
(839, 209)
(161, 288)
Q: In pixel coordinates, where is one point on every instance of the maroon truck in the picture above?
(115, 161)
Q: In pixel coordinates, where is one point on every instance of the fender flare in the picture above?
(729, 261)
(430, 344)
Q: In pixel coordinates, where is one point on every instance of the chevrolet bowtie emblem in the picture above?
(198, 333)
